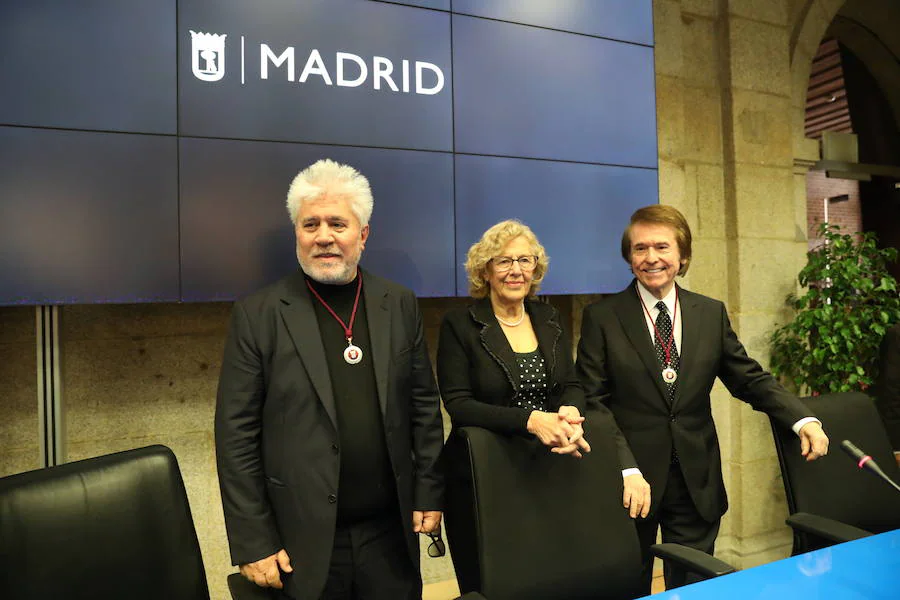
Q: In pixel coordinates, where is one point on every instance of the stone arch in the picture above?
(880, 53)
(870, 30)
(813, 19)
(867, 27)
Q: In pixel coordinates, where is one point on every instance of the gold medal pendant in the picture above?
(669, 375)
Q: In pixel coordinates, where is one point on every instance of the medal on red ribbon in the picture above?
(669, 374)
(352, 353)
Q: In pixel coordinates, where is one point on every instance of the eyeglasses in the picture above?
(436, 548)
(505, 263)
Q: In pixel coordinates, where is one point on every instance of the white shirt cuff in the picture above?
(799, 424)
(631, 471)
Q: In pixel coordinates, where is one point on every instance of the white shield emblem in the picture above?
(208, 55)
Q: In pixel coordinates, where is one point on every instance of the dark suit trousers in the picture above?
(370, 561)
(680, 522)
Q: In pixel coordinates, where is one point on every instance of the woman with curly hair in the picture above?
(504, 362)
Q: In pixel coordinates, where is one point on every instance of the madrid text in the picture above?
(350, 70)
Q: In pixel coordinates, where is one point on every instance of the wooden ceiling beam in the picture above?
(826, 99)
(831, 108)
(831, 125)
(826, 96)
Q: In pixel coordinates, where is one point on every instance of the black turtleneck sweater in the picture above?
(366, 486)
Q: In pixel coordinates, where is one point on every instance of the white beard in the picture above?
(342, 273)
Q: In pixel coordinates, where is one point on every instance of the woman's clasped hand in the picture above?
(561, 431)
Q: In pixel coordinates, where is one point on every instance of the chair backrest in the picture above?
(526, 524)
(112, 527)
(833, 486)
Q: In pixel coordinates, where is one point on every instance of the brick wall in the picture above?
(847, 215)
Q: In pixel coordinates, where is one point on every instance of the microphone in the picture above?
(864, 461)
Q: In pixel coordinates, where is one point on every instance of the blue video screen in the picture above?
(146, 146)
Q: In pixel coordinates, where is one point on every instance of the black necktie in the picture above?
(664, 338)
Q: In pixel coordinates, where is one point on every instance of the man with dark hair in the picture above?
(650, 355)
(328, 424)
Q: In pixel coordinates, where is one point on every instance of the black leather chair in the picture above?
(112, 527)
(242, 588)
(525, 524)
(831, 500)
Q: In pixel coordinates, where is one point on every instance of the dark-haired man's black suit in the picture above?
(618, 367)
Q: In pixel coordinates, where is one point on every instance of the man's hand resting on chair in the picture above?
(266, 572)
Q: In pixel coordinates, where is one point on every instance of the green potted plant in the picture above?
(831, 345)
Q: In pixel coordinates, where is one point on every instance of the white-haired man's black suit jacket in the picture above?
(276, 428)
(618, 368)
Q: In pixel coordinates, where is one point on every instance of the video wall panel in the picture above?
(435, 4)
(623, 20)
(98, 64)
(460, 113)
(236, 235)
(589, 100)
(335, 72)
(87, 217)
(578, 213)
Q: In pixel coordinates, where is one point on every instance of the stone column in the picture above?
(726, 160)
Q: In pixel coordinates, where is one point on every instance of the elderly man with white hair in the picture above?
(328, 426)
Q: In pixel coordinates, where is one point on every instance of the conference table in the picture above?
(862, 569)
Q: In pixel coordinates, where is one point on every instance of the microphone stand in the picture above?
(864, 461)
